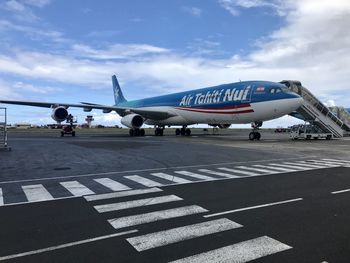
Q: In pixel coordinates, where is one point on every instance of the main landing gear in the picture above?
(137, 132)
(255, 134)
(159, 131)
(183, 131)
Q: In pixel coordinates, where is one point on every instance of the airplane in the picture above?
(219, 106)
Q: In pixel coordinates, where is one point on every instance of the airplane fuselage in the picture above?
(242, 102)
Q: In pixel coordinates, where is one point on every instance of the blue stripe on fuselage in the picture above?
(217, 96)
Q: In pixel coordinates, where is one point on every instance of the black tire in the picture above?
(142, 132)
(62, 133)
(73, 133)
(308, 137)
(252, 136)
(161, 132)
(329, 137)
(131, 132)
(183, 132)
(177, 132)
(188, 132)
(137, 132)
(257, 135)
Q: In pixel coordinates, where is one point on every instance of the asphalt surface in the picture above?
(205, 198)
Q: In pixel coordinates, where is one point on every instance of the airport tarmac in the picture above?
(108, 197)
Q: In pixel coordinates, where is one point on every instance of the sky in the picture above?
(66, 51)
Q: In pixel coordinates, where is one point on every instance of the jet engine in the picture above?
(132, 121)
(221, 126)
(59, 114)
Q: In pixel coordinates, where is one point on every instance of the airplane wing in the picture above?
(122, 111)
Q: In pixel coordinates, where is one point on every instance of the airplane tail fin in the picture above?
(118, 94)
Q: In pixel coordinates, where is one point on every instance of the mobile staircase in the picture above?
(3, 130)
(315, 112)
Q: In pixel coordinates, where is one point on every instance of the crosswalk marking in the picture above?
(331, 164)
(136, 203)
(111, 184)
(171, 178)
(155, 216)
(238, 171)
(335, 160)
(170, 236)
(238, 253)
(1, 198)
(218, 173)
(122, 194)
(307, 165)
(290, 166)
(36, 192)
(195, 175)
(256, 169)
(317, 165)
(144, 181)
(275, 168)
(76, 188)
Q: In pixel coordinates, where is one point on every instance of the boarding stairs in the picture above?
(3, 129)
(315, 112)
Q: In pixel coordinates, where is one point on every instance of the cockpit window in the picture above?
(275, 90)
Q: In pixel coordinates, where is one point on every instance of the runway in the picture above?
(170, 199)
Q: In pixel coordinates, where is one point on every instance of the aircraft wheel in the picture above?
(142, 132)
(188, 132)
(183, 132)
(137, 132)
(62, 133)
(257, 135)
(73, 133)
(161, 132)
(131, 132)
(177, 132)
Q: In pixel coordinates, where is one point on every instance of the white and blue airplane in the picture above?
(223, 105)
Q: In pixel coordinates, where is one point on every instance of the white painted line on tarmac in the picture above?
(76, 188)
(195, 175)
(335, 160)
(137, 203)
(36, 192)
(238, 253)
(155, 216)
(218, 173)
(254, 207)
(141, 170)
(142, 180)
(122, 194)
(340, 191)
(275, 168)
(327, 165)
(111, 184)
(299, 164)
(238, 171)
(171, 178)
(72, 244)
(257, 170)
(170, 236)
(1, 198)
(289, 166)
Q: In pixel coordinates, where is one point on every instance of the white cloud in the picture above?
(38, 3)
(117, 51)
(233, 6)
(195, 11)
(32, 32)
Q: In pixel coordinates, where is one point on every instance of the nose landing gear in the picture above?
(255, 134)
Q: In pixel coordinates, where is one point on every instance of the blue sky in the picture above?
(66, 51)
